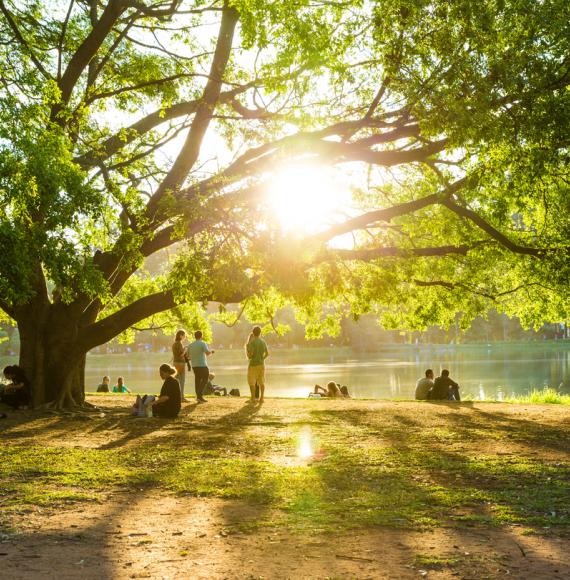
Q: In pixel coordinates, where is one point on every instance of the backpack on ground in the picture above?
(234, 393)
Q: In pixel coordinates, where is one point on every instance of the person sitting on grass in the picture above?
(170, 399)
(103, 387)
(120, 387)
(424, 385)
(17, 393)
(333, 390)
(444, 388)
(211, 389)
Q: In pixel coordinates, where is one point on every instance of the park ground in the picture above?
(287, 489)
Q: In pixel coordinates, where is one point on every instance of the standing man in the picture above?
(198, 351)
(445, 388)
(257, 352)
(424, 385)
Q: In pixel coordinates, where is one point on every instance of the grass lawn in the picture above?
(306, 468)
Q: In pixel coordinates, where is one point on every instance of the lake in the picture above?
(483, 371)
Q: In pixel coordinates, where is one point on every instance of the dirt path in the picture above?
(168, 537)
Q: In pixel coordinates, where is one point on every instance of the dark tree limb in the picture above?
(115, 143)
(460, 286)
(492, 231)
(385, 215)
(112, 325)
(394, 252)
(373, 217)
(191, 149)
(88, 49)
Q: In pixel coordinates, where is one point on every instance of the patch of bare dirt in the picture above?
(151, 536)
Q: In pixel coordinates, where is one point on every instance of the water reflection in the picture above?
(481, 392)
(483, 371)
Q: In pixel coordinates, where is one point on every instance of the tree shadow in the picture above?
(379, 473)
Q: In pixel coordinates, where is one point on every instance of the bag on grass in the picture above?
(234, 393)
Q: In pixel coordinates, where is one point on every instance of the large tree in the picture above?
(131, 126)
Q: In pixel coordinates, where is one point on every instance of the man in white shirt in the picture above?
(424, 385)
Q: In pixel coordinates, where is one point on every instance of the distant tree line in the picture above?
(364, 335)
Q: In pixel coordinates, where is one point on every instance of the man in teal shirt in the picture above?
(198, 352)
(256, 353)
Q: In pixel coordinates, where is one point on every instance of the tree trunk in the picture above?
(52, 361)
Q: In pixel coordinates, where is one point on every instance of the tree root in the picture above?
(70, 408)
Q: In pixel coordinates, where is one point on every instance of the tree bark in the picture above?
(50, 356)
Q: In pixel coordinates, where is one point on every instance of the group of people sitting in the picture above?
(120, 387)
(442, 388)
(16, 393)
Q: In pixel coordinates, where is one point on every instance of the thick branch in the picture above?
(127, 135)
(109, 327)
(373, 217)
(460, 286)
(191, 148)
(388, 252)
(266, 157)
(385, 215)
(492, 231)
(88, 49)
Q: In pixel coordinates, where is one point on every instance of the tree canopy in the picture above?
(129, 127)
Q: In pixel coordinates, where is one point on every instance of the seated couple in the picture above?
(167, 404)
(120, 387)
(333, 390)
(441, 389)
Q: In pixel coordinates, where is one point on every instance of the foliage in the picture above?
(132, 129)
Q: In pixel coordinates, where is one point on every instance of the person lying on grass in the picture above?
(333, 390)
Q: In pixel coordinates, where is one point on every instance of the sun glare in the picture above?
(307, 198)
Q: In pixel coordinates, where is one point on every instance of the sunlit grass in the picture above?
(349, 488)
(548, 395)
(308, 466)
